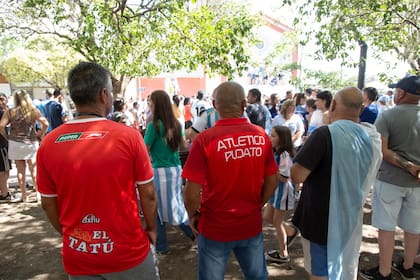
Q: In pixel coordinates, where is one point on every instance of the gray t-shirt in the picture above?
(401, 125)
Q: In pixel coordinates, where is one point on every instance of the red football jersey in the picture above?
(230, 161)
(92, 167)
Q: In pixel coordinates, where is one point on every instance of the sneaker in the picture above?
(406, 274)
(373, 274)
(159, 253)
(292, 238)
(274, 256)
(8, 198)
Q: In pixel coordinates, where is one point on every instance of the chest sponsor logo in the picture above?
(75, 136)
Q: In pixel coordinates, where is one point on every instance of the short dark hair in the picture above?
(256, 93)
(310, 103)
(57, 92)
(118, 104)
(299, 97)
(175, 99)
(86, 80)
(371, 93)
(200, 94)
(325, 95)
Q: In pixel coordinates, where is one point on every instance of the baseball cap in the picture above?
(410, 84)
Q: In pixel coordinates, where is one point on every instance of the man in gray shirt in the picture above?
(396, 195)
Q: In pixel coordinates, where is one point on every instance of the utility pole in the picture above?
(362, 64)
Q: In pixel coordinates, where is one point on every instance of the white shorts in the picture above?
(394, 205)
(22, 151)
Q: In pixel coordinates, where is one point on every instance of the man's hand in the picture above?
(194, 223)
(152, 235)
(414, 170)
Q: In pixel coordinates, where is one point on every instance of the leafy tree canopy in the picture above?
(388, 25)
(40, 60)
(139, 38)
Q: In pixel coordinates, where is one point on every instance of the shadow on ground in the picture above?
(30, 249)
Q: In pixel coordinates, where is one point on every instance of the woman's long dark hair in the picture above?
(285, 140)
(163, 112)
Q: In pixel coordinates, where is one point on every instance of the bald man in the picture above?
(230, 174)
(337, 166)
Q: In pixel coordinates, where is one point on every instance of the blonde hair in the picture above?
(285, 106)
(23, 101)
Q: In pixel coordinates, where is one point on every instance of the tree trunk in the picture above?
(119, 86)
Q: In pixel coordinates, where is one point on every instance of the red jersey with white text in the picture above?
(230, 161)
(92, 167)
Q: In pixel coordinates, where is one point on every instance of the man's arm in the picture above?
(192, 199)
(3, 123)
(298, 173)
(395, 159)
(269, 186)
(148, 202)
(49, 204)
(190, 134)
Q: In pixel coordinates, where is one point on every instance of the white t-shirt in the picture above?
(316, 121)
(295, 124)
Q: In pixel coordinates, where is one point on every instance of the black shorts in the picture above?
(5, 163)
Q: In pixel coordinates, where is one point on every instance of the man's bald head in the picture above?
(229, 99)
(347, 104)
(350, 97)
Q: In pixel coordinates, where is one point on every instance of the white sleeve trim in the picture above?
(144, 182)
(48, 195)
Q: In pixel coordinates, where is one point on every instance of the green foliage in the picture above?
(386, 25)
(142, 39)
(40, 59)
(327, 80)
(7, 45)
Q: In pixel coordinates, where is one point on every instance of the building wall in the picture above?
(4, 85)
(5, 88)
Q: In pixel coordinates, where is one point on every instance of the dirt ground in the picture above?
(30, 249)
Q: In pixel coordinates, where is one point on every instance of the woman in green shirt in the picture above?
(164, 137)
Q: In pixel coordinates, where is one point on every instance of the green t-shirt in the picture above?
(161, 153)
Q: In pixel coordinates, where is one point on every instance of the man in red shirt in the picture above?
(87, 176)
(230, 174)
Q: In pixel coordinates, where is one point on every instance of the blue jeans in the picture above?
(213, 256)
(162, 242)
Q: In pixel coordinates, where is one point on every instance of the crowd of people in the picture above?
(111, 177)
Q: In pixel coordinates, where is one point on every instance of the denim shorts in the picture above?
(394, 206)
(213, 256)
(315, 258)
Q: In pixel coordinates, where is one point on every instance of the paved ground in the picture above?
(30, 248)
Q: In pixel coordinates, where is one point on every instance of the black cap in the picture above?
(200, 94)
(410, 84)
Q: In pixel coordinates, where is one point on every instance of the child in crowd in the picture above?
(283, 198)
